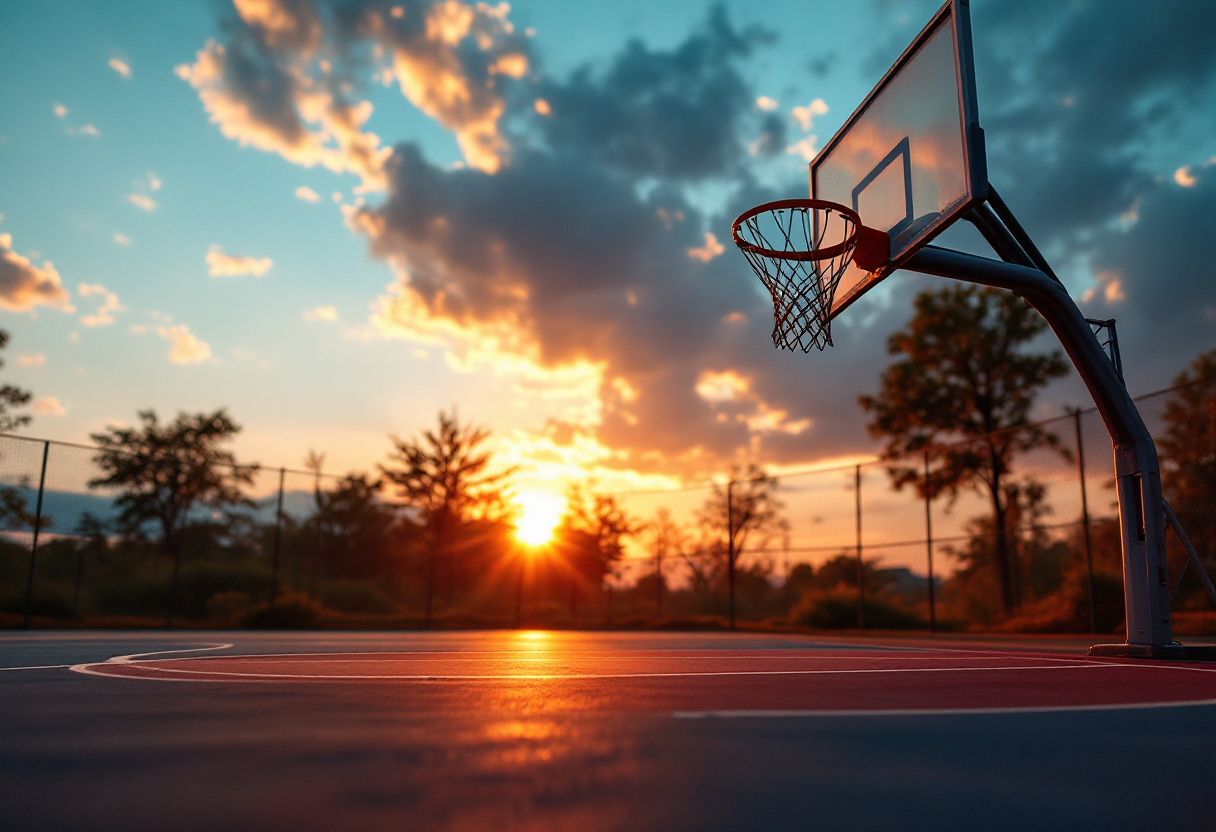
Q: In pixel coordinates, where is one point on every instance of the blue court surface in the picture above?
(590, 731)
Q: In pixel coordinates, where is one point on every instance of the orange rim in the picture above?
(845, 245)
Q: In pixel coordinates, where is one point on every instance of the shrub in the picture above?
(290, 611)
(837, 609)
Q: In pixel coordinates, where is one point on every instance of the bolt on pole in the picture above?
(29, 584)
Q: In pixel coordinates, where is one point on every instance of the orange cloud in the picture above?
(24, 285)
(318, 129)
(104, 316)
(220, 264)
(187, 347)
(709, 251)
(48, 406)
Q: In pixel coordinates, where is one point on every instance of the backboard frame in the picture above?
(959, 14)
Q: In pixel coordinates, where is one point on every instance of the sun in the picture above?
(539, 516)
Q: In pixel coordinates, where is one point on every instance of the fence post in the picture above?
(861, 573)
(730, 552)
(278, 536)
(1089, 558)
(29, 584)
(929, 545)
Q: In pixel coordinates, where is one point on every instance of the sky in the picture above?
(336, 218)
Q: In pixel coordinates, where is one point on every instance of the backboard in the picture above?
(910, 160)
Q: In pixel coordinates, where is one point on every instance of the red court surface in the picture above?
(723, 682)
(594, 731)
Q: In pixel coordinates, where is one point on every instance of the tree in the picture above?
(592, 534)
(1188, 451)
(10, 398)
(445, 477)
(354, 528)
(731, 515)
(165, 472)
(667, 540)
(963, 376)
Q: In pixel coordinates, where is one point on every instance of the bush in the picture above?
(836, 609)
(228, 608)
(356, 597)
(290, 611)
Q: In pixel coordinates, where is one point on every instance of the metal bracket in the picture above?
(1171, 520)
(1106, 330)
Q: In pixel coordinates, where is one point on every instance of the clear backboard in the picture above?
(910, 160)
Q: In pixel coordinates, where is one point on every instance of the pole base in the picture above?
(1169, 652)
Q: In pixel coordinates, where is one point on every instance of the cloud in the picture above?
(1078, 140)
(274, 86)
(805, 116)
(806, 147)
(122, 239)
(59, 110)
(187, 347)
(48, 406)
(767, 104)
(724, 386)
(24, 285)
(142, 202)
(31, 359)
(220, 264)
(321, 313)
(87, 130)
(678, 113)
(307, 194)
(121, 67)
(711, 249)
(104, 316)
(568, 273)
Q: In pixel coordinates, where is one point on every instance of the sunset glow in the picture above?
(539, 516)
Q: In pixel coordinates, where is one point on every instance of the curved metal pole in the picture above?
(1146, 592)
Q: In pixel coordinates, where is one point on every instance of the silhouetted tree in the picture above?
(666, 540)
(11, 398)
(745, 508)
(444, 476)
(962, 376)
(355, 528)
(1188, 452)
(164, 472)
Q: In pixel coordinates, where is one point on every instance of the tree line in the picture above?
(428, 538)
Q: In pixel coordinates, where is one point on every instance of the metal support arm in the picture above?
(1137, 472)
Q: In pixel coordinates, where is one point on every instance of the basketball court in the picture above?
(556, 730)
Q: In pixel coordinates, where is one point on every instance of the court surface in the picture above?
(589, 731)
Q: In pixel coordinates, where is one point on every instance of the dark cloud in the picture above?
(675, 114)
(577, 247)
(1079, 102)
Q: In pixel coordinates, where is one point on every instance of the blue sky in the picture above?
(563, 308)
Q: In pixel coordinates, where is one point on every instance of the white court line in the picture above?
(132, 657)
(37, 667)
(1030, 709)
(438, 677)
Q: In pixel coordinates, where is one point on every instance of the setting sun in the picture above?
(539, 516)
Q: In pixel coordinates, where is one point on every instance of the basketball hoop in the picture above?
(799, 248)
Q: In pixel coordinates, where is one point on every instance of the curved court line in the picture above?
(441, 677)
(1028, 709)
(131, 658)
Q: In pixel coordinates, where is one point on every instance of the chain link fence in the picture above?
(922, 563)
